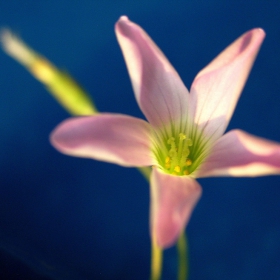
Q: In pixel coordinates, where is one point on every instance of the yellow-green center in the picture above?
(177, 161)
(179, 153)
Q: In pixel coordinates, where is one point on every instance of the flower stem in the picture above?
(157, 254)
(183, 266)
(156, 261)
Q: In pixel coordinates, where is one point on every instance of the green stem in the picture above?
(156, 261)
(156, 254)
(183, 266)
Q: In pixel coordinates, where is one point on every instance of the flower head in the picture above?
(183, 138)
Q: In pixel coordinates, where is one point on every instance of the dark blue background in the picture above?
(70, 218)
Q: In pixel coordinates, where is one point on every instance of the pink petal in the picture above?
(173, 199)
(216, 89)
(113, 138)
(238, 153)
(159, 91)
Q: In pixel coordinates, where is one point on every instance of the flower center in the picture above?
(181, 153)
(177, 161)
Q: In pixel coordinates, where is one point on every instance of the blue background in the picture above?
(71, 218)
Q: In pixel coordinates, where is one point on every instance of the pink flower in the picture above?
(183, 139)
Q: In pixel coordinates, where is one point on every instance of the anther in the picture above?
(177, 169)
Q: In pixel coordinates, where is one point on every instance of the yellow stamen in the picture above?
(176, 161)
(177, 168)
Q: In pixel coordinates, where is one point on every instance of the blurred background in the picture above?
(71, 218)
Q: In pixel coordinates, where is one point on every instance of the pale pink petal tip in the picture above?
(123, 18)
(216, 89)
(158, 89)
(173, 199)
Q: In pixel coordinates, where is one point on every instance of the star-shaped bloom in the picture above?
(183, 138)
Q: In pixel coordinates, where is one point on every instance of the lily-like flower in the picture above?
(183, 138)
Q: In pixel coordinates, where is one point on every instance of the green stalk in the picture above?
(183, 266)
